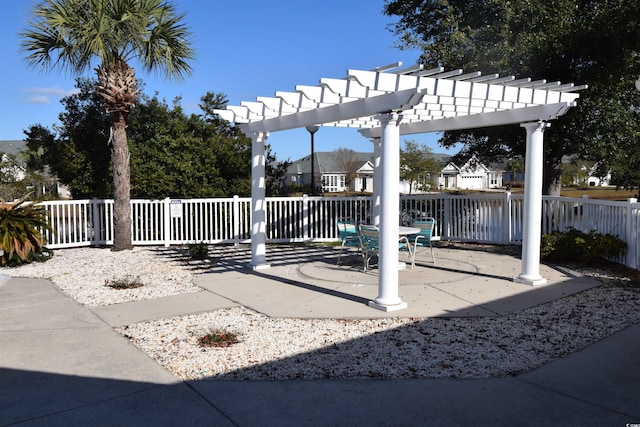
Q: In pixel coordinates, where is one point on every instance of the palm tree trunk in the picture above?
(121, 183)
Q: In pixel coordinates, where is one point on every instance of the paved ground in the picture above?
(62, 364)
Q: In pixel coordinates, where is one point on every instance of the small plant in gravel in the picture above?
(218, 338)
(126, 282)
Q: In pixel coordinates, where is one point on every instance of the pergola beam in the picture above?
(360, 108)
(473, 121)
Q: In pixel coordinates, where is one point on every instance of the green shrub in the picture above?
(577, 246)
(198, 251)
(20, 233)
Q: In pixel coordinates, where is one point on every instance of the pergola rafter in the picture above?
(387, 102)
(445, 95)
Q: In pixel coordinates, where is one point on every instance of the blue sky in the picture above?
(244, 49)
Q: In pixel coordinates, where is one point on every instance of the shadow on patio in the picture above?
(305, 282)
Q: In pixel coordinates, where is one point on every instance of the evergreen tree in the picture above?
(591, 42)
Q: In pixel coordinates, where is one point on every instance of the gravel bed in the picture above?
(81, 273)
(273, 348)
(276, 349)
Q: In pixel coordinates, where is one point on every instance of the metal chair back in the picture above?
(370, 238)
(423, 238)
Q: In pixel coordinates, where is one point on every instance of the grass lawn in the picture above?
(599, 193)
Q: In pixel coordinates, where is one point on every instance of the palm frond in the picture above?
(72, 33)
(21, 227)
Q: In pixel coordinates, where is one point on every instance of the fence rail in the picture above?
(492, 218)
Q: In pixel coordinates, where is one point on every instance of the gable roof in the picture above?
(474, 165)
(12, 146)
(327, 162)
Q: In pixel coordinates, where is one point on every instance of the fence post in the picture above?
(585, 214)
(167, 222)
(632, 238)
(506, 218)
(235, 220)
(444, 231)
(95, 222)
(305, 217)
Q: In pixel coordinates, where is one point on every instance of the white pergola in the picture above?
(387, 102)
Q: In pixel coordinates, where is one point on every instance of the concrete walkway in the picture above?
(62, 363)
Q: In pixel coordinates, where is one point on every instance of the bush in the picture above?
(577, 246)
(198, 251)
(20, 233)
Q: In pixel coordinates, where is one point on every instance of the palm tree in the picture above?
(108, 34)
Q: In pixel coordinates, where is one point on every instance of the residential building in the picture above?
(331, 173)
(473, 175)
(12, 164)
(335, 171)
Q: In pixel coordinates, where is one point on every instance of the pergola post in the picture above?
(377, 181)
(532, 228)
(258, 203)
(388, 298)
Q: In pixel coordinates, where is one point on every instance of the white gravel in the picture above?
(81, 273)
(271, 348)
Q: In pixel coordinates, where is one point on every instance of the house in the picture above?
(593, 180)
(12, 165)
(578, 172)
(473, 175)
(335, 171)
(332, 173)
(11, 168)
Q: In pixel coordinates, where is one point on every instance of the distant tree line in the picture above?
(172, 154)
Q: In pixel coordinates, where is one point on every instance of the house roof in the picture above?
(12, 146)
(327, 162)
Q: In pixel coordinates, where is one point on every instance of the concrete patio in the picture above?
(305, 282)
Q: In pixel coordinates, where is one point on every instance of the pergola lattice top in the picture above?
(429, 101)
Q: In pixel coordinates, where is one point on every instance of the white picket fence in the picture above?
(493, 218)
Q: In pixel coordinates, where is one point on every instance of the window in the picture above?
(333, 182)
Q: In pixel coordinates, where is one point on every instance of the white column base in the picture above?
(386, 307)
(258, 266)
(531, 281)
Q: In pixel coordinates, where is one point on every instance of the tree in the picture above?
(418, 166)
(12, 182)
(76, 33)
(347, 161)
(77, 152)
(584, 41)
(175, 155)
(515, 166)
(275, 172)
(38, 170)
(172, 154)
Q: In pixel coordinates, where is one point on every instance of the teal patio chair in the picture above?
(348, 233)
(423, 238)
(370, 236)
